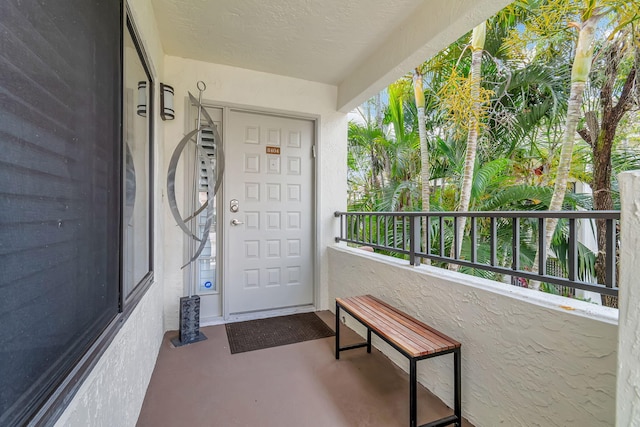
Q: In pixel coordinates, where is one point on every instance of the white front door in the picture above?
(269, 177)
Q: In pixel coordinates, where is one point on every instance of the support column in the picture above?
(628, 381)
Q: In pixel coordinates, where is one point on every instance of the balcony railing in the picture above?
(503, 243)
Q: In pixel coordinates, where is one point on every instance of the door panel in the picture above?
(270, 174)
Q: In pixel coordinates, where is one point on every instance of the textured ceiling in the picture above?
(318, 40)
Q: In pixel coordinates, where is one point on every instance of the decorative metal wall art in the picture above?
(213, 159)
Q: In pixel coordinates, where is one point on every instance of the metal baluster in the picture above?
(394, 231)
(474, 243)
(515, 243)
(455, 237)
(542, 247)
(348, 226)
(427, 232)
(492, 240)
(441, 220)
(386, 231)
(354, 229)
(573, 250)
(610, 256)
(414, 240)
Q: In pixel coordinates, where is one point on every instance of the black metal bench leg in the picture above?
(413, 410)
(368, 340)
(457, 386)
(337, 331)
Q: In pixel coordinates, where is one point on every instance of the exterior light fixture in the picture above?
(141, 107)
(166, 102)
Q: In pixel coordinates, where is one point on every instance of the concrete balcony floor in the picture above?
(299, 385)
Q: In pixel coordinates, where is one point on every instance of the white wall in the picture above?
(112, 394)
(528, 358)
(628, 409)
(261, 91)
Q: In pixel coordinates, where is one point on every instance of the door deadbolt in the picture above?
(234, 206)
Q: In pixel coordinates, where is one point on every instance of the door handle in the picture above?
(236, 222)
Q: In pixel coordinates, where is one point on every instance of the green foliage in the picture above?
(526, 69)
(489, 174)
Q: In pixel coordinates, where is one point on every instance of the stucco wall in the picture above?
(113, 393)
(526, 360)
(261, 91)
(628, 411)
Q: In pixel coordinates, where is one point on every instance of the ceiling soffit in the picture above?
(321, 40)
(358, 45)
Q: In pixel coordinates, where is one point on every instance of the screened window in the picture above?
(60, 191)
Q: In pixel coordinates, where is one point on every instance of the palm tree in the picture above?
(418, 90)
(367, 142)
(384, 163)
(478, 38)
(550, 17)
(403, 147)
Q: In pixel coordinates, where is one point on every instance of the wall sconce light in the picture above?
(141, 107)
(166, 102)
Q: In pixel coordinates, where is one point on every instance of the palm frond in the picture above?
(485, 174)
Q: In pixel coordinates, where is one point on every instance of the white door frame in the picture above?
(225, 215)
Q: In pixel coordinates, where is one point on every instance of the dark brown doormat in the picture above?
(275, 331)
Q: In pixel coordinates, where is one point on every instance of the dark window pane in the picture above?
(59, 190)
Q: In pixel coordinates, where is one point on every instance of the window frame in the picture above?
(55, 405)
(138, 289)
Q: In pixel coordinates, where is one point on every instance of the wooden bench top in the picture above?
(411, 335)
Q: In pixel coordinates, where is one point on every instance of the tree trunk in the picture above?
(424, 152)
(422, 132)
(579, 76)
(602, 145)
(601, 185)
(477, 46)
(375, 183)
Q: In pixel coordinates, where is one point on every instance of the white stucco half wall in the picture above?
(528, 358)
(628, 408)
(230, 86)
